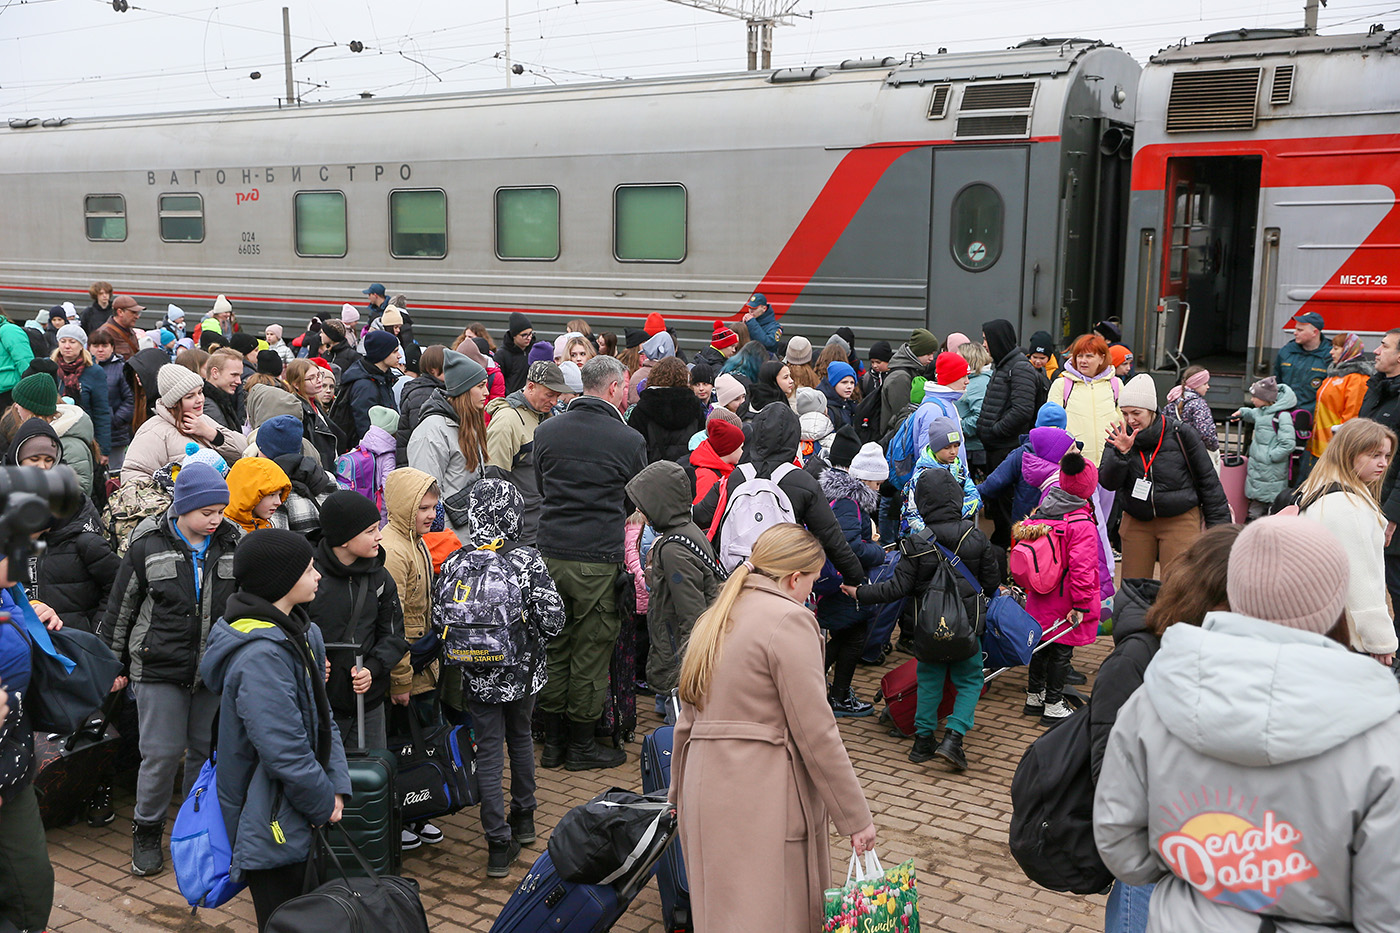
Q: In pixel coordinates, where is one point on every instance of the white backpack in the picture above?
(754, 507)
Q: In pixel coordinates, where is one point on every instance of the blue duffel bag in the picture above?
(877, 641)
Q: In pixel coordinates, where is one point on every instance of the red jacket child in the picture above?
(1071, 501)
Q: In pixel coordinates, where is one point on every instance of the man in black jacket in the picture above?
(1008, 411)
(1382, 404)
(584, 459)
(513, 355)
(776, 433)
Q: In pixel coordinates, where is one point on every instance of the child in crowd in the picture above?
(852, 484)
(681, 571)
(502, 699)
(937, 495)
(412, 497)
(1122, 359)
(1075, 602)
(1272, 445)
(944, 439)
(357, 604)
(634, 549)
(282, 769)
(257, 488)
(716, 456)
(170, 589)
(280, 440)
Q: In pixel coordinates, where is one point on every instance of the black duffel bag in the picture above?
(437, 768)
(612, 837)
(372, 904)
(60, 701)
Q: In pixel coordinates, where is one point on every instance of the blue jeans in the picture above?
(1127, 908)
(966, 678)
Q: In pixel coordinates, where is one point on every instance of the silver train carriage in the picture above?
(939, 191)
(1263, 185)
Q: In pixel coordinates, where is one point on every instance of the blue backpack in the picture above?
(199, 846)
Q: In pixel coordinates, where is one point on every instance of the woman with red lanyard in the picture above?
(1162, 477)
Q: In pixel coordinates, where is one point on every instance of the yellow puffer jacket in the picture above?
(1092, 408)
(407, 560)
(249, 480)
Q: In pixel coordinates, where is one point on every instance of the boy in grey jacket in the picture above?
(1255, 770)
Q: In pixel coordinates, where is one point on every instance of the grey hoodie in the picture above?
(1255, 772)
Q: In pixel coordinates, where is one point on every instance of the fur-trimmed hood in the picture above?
(838, 484)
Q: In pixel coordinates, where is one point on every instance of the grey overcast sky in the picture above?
(81, 57)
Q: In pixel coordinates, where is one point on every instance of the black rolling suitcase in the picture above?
(68, 768)
(671, 881)
(372, 817)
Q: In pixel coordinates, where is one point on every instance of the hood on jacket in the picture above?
(249, 479)
(72, 421)
(225, 640)
(815, 426)
(776, 433)
(1357, 364)
(330, 565)
(361, 370)
(1001, 338)
(87, 518)
(670, 407)
(403, 490)
(662, 493)
(1287, 401)
(933, 390)
(838, 484)
(1130, 605)
(1256, 694)
(306, 474)
(437, 404)
(495, 511)
(379, 441)
(938, 496)
(266, 402)
(704, 456)
(904, 359)
(1057, 503)
(32, 427)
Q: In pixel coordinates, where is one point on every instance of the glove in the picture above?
(423, 652)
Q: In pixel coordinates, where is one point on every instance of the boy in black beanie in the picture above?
(281, 764)
(357, 604)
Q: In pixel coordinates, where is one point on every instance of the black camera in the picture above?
(30, 498)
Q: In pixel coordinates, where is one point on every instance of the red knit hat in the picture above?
(724, 437)
(655, 324)
(723, 337)
(321, 362)
(949, 368)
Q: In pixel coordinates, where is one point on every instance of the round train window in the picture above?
(977, 227)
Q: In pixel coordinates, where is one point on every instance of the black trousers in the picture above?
(273, 887)
(999, 509)
(843, 652)
(1048, 671)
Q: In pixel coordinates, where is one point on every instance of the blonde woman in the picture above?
(1343, 493)
(755, 723)
(85, 383)
(979, 373)
(579, 349)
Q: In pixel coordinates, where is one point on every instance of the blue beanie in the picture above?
(199, 485)
(378, 345)
(837, 370)
(280, 435)
(1051, 416)
(944, 432)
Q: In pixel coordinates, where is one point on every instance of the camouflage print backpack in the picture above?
(480, 610)
(135, 500)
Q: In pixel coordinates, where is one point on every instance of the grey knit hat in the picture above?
(1306, 583)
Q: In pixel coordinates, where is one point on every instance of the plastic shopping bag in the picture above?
(874, 900)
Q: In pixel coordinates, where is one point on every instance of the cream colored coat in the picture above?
(158, 441)
(760, 772)
(1092, 409)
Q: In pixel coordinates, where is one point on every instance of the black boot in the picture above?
(147, 859)
(556, 740)
(522, 826)
(499, 855)
(1075, 678)
(951, 750)
(923, 748)
(585, 754)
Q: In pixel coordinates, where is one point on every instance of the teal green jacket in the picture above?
(15, 353)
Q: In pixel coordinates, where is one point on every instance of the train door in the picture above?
(976, 237)
(1212, 210)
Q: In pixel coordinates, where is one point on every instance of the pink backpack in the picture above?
(354, 470)
(1037, 561)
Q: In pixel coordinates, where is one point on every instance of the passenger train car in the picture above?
(936, 191)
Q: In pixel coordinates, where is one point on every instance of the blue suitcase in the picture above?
(544, 901)
(671, 881)
(886, 617)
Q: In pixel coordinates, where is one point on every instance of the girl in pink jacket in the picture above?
(1067, 505)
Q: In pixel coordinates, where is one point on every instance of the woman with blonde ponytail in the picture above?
(759, 767)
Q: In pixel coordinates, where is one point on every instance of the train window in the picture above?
(978, 214)
(649, 223)
(181, 218)
(105, 215)
(320, 223)
(418, 223)
(527, 223)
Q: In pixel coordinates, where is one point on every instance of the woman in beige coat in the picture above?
(759, 766)
(179, 419)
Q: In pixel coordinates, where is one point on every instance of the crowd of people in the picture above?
(255, 504)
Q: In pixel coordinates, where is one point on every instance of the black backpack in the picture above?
(866, 419)
(944, 631)
(1052, 811)
(343, 417)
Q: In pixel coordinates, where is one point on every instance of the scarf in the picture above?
(69, 374)
(1351, 347)
(1196, 383)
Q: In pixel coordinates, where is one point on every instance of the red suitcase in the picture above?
(900, 691)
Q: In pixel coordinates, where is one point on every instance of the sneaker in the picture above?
(408, 840)
(1075, 678)
(850, 706)
(1117, 556)
(428, 833)
(1035, 703)
(99, 809)
(1055, 712)
(905, 644)
(147, 859)
(499, 856)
